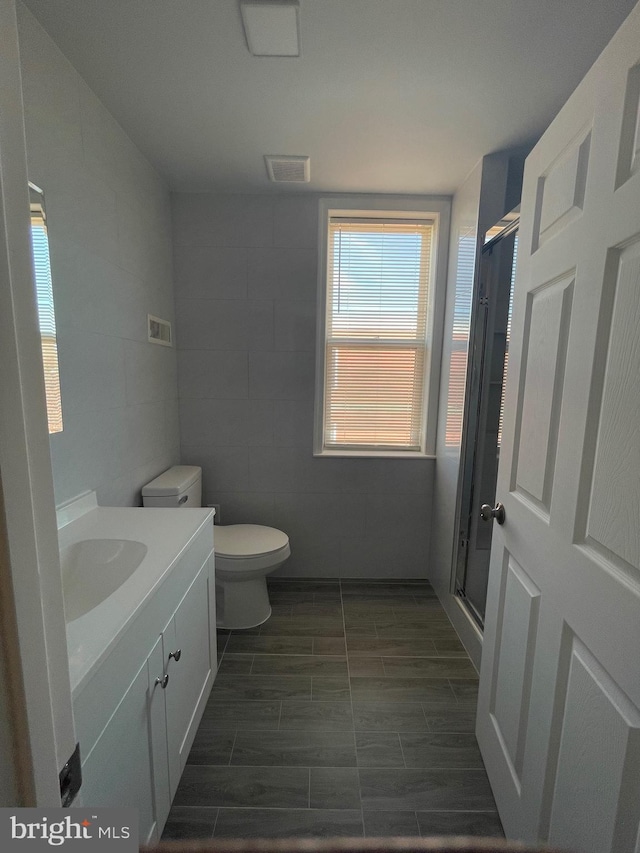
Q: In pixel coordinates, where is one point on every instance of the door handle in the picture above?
(163, 681)
(175, 655)
(487, 513)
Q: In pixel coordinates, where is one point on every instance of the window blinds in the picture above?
(378, 297)
(46, 316)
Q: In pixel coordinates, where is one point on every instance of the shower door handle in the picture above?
(497, 512)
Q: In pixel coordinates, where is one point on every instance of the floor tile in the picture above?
(329, 646)
(301, 626)
(358, 609)
(381, 824)
(320, 609)
(426, 603)
(360, 629)
(270, 645)
(235, 664)
(334, 788)
(242, 715)
(392, 630)
(272, 787)
(465, 690)
(357, 621)
(441, 750)
(299, 665)
(306, 585)
(390, 648)
(291, 746)
(189, 823)
(316, 716)
(450, 648)
(434, 690)
(451, 720)
(210, 745)
(283, 597)
(284, 609)
(288, 823)
(295, 749)
(418, 615)
(366, 666)
(250, 688)
(428, 667)
(383, 590)
(460, 823)
(461, 790)
(389, 717)
(327, 596)
(379, 749)
(330, 689)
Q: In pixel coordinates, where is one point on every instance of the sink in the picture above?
(93, 569)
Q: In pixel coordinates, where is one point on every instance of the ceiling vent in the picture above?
(272, 27)
(285, 169)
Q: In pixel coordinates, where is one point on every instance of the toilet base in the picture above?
(242, 604)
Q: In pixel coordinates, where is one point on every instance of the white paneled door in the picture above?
(559, 705)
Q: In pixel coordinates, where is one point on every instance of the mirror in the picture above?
(46, 310)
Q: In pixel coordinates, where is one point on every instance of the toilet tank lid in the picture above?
(173, 481)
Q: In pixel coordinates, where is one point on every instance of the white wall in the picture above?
(110, 237)
(246, 278)
(491, 190)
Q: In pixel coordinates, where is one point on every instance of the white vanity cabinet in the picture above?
(191, 670)
(137, 715)
(124, 767)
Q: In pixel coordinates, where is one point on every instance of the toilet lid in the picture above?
(247, 540)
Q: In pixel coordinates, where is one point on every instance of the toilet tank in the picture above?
(180, 486)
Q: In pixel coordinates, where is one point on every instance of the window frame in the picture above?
(436, 209)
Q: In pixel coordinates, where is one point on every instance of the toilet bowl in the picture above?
(244, 553)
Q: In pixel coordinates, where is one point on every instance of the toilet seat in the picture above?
(243, 547)
(248, 540)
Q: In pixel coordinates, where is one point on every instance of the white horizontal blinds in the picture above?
(508, 341)
(379, 274)
(465, 271)
(46, 316)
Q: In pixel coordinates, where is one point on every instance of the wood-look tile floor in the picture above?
(349, 712)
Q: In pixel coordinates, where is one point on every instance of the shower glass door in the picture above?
(482, 430)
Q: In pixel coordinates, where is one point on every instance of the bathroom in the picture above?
(235, 273)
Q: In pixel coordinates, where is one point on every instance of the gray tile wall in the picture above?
(245, 279)
(110, 236)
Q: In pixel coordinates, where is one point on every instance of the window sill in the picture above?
(373, 454)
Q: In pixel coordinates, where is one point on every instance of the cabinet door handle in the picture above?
(163, 681)
(175, 655)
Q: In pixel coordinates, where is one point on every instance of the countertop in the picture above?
(165, 532)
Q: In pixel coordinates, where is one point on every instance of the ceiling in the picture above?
(388, 95)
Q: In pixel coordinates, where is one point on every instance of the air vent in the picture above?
(159, 331)
(288, 169)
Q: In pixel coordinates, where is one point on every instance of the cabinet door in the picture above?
(191, 676)
(119, 770)
(158, 741)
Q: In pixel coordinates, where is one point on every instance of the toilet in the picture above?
(244, 553)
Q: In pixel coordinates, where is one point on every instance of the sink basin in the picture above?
(93, 569)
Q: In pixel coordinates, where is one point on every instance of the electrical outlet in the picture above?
(216, 517)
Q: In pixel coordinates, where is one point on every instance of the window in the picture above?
(46, 313)
(376, 342)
